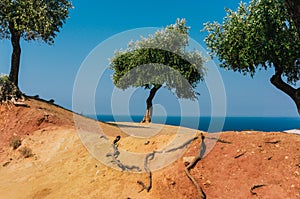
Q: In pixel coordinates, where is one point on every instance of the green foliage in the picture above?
(33, 19)
(7, 89)
(160, 59)
(3, 79)
(258, 35)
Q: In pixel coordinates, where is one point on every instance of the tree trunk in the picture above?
(149, 107)
(293, 7)
(277, 81)
(16, 55)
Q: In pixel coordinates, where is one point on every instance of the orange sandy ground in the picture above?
(61, 166)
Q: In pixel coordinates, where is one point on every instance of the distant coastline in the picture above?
(231, 123)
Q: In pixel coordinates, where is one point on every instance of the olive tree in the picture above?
(30, 20)
(160, 60)
(259, 35)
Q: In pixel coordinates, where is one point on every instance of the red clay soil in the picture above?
(241, 164)
(21, 121)
(248, 165)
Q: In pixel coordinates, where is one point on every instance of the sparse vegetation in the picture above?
(15, 142)
(26, 152)
(8, 90)
(3, 79)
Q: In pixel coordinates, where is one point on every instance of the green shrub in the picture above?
(3, 79)
(15, 142)
(26, 152)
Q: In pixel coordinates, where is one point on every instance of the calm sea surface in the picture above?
(214, 124)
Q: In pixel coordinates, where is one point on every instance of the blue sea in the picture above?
(216, 124)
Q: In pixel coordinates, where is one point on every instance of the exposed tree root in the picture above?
(151, 155)
(143, 186)
(255, 187)
(274, 142)
(239, 155)
(202, 150)
(115, 156)
(219, 140)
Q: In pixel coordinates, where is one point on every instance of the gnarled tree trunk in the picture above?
(9, 89)
(149, 107)
(293, 7)
(294, 93)
(16, 55)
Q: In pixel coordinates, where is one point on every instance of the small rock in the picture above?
(146, 142)
(207, 182)
(296, 173)
(286, 157)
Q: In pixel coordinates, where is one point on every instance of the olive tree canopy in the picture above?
(259, 35)
(160, 60)
(30, 20)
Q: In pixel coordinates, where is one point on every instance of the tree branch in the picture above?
(293, 93)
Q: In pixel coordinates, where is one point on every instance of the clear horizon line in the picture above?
(198, 116)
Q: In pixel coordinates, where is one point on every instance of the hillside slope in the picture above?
(240, 164)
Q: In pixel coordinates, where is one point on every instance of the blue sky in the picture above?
(50, 71)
